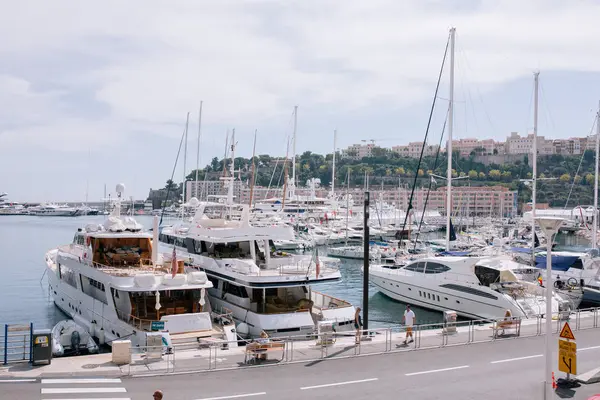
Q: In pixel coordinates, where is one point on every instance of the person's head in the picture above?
(407, 307)
(357, 310)
(158, 395)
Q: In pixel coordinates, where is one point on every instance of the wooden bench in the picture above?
(500, 327)
(254, 350)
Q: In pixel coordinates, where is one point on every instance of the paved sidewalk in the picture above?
(380, 341)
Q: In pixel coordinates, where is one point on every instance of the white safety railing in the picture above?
(334, 345)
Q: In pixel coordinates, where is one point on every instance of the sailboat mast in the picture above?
(450, 131)
(595, 219)
(198, 149)
(232, 177)
(187, 122)
(294, 147)
(536, 78)
(333, 168)
(253, 172)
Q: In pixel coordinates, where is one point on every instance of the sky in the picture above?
(97, 93)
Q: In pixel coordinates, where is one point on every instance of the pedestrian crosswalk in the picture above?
(83, 389)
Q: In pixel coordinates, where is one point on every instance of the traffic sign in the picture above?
(566, 332)
(567, 357)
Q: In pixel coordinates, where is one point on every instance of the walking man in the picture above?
(409, 320)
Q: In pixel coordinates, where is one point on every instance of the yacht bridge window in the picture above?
(67, 275)
(427, 267)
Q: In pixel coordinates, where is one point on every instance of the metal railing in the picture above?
(335, 345)
(16, 343)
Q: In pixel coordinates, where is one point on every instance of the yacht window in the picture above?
(199, 247)
(487, 275)
(429, 296)
(416, 267)
(179, 241)
(436, 268)
(438, 298)
(214, 281)
(68, 275)
(93, 288)
(419, 293)
(469, 290)
(234, 290)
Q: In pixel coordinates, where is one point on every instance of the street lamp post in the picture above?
(550, 227)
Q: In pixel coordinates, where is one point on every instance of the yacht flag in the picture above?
(174, 263)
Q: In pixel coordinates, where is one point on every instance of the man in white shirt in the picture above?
(409, 320)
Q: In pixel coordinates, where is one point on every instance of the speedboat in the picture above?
(474, 287)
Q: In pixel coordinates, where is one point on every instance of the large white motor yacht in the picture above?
(110, 281)
(478, 288)
(264, 289)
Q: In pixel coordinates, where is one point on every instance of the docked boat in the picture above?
(112, 282)
(54, 210)
(265, 289)
(69, 338)
(474, 287)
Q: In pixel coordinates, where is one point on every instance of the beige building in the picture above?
(517, 144)
(466, 146)
(358, 151)
(413, 150)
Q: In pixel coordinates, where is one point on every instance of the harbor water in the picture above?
(24, 296)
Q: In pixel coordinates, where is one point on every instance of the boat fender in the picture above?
(101, 336)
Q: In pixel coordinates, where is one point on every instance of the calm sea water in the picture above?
(24, 295)
(24, 291)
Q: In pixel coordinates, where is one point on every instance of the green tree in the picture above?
(589, 179)
(400, 171)
(565, 178)
(421, 172)
(482, 175)
(495, 174)
(506, 175)
(473, 174)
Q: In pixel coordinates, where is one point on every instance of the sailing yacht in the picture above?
(265, 290)
(111, 281)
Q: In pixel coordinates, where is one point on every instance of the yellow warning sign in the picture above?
(567, 357)
(566, 332)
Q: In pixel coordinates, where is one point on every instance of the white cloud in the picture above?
(148, 62)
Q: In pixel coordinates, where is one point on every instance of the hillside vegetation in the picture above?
(390, 170)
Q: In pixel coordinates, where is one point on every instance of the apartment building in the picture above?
(358, 151)
(517, 144)
(413, 150)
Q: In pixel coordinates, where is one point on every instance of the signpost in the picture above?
(157, 326)
(567, 351)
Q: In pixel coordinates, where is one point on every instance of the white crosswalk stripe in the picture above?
(74, 389)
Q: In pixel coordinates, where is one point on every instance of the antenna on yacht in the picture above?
(120, 189)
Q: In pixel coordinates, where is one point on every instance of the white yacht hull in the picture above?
(464, 305)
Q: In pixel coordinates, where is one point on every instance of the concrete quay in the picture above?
(469, 363)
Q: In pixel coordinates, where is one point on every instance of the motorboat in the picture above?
(112, 282)
(69, 338)
(474, 287)
(55, 210)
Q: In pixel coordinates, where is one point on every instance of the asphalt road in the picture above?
(511, 369)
